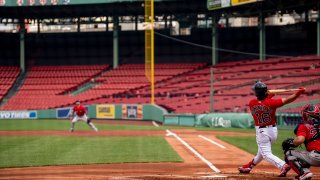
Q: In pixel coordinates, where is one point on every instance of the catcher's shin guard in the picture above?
(296, 164)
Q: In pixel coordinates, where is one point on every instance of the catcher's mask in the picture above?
(260, 89)
(311, 114)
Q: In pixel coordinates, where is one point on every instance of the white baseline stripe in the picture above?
(169, 133)
(213, 142)
(155, 124)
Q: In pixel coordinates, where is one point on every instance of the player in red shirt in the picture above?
(263, 110)
(79, 112)
(307, 133)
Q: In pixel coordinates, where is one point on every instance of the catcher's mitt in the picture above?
(288, 144)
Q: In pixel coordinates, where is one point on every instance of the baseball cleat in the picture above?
(284, 170)
(244, 170)
(71, 130)
(247, 167)
(305, 176)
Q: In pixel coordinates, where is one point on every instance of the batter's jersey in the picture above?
(264, 111)
(309, 131)
(79, 110)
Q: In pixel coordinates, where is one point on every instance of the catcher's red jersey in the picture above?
(264, 111)
(309, 131)
(79, 110)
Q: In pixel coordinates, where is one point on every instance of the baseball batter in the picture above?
(307, 133)
(79, 112)
(263, 110)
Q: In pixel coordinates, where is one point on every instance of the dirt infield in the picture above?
(225, 159)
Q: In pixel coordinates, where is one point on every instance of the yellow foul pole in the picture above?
(149, 43)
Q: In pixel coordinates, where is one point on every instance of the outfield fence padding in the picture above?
(180, 119)
(155, 113)
(101, 111)
(228, 120)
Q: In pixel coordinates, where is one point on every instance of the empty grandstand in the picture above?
(96, 54)
(182, 88)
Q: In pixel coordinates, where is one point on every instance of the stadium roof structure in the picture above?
(109, 8)
(180, 9)
(92, 8)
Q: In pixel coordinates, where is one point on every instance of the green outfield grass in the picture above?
(41, 151)
(28, 125)
(248, 143)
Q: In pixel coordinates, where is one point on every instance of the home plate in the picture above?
(215, 176)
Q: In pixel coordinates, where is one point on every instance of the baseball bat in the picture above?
(278, 91)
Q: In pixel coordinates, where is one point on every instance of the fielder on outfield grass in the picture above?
(263, 110)
(79, 112)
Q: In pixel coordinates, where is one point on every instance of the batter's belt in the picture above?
(267, 126)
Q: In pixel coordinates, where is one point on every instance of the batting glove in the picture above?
(301, 91)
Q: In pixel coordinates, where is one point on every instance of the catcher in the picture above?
(307, 133)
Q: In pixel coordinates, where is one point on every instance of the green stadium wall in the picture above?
(237, 120)
(156, 113)
(101, 111)
(228, 120)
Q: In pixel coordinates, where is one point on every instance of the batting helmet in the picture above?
(311, 114)
(260, 89)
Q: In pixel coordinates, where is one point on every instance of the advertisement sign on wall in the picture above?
(217, 4)
(239, 2)
(132, 111)
(235, 120)
(65, 113)
(18, 115)
(105, 111)
(213, 4)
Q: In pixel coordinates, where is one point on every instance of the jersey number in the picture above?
(263, 118)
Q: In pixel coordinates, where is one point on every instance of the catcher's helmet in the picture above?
(311, 114)
(260, 89)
